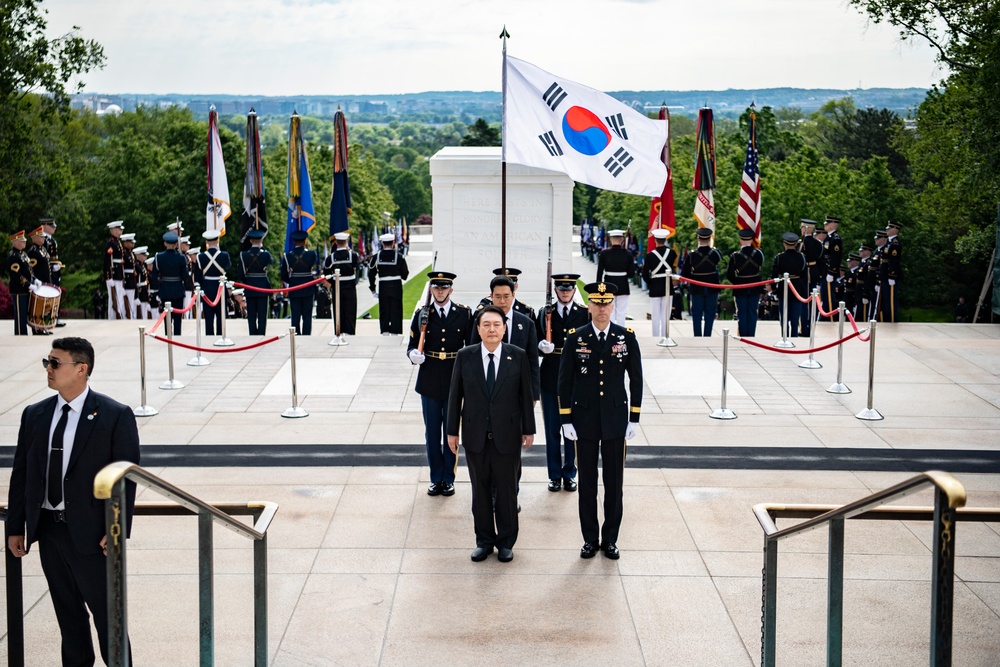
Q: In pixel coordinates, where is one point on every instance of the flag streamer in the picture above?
(218, 209)
(298, 187)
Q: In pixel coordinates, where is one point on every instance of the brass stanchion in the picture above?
(722, 412)
(870, 413)
(295, 411)
(171, 383)
(143, 410)
(839, 387)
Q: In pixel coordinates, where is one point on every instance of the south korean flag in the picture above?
(553, 123)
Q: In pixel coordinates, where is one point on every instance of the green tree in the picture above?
(481, 133)
(409, 195)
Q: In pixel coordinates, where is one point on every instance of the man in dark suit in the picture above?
(596, 412)
(520, 328)
(170, 271)
(491, 399)
(298, 267)
(63, 442)
(448, 325)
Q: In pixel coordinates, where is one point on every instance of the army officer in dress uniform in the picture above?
(598, 414)
(702, 266)
(449, 326)
(744, 269)
(347, 260)
(559, 318)
(792, 262)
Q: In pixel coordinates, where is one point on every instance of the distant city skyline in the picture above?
(372, 47)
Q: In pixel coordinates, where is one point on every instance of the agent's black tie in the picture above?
(491, 375)
(56, 459)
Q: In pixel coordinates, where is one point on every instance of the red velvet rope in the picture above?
(218, 297)
(719, 286)
(218, 350)
(791, 287)
(850, 318)
(807, 351)
(279, 291)
(156, 325)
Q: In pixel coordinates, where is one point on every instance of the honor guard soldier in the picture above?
(812, 248)
(52, 248)
(615, 266)
(448, 327)
(389, 267)
(744, 269)
(823, 270)
(654, 272)
(850, 284)
(891, 272)
(169, 273)
(519, 306)
(792, 262)
(128, 275)
(141, 295)
(20, 280)
(212, 264)
(874, 275)
(348, 261)
(833, 252)
(113, 270)
(38, 257)
(154, 298)
(863, 301)
(184, 244)
(702, 265)
(560, 318)
(298, 267)
(253, 272)
(598, 414)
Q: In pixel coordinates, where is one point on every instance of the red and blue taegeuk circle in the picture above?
(584, 131)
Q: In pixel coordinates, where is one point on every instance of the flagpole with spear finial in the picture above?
(504, 35)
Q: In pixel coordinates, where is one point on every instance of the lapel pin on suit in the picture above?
(91, 416)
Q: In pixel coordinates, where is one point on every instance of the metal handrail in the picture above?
(949, 497)
(110, 485)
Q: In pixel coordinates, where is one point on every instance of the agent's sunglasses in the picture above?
(55, 363)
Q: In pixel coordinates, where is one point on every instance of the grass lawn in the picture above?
(412, 289)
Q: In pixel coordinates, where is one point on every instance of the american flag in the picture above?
(748, 216)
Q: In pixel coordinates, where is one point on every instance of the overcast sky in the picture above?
(350, 47)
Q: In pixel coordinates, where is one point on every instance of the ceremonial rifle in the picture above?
(548, 296)
(425, 312)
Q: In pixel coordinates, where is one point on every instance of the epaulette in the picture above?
(629, 330)
(480, 307)
(571, 331)
(460, 305)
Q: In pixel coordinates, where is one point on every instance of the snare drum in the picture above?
(43, 307)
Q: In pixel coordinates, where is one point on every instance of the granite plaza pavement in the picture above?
(366, 569)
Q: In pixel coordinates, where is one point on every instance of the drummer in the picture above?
(38, 256)
(55, 266)
(21, 280)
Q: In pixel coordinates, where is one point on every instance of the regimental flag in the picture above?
(553, 123)
(298, 187)
(254, 214)
(704, 170)
(218, 209)
(661, 210)
(704, 209)
(340, 196)
(748, 213)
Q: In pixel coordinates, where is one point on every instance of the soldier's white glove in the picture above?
(32, 287)
(416, 356)
(892, 281)
(38, 283)
(864, 301)
(878, 288)
(375, 295)
(545, 347)
(631, 430)
(829, 278)
(569, 431)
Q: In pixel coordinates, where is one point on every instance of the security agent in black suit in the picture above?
(298, 267)
(596, 412)
(520, 328)
(566, 314)
(343, 257)
(491, 400)
(169, 273)
(212, 264)
(390, 268)
(63, 442)
(253, 272)
(449, 326)
(518, 306)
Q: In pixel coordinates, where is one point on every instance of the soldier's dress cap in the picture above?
(704, 233)
(116, 224)
(854, 256)
(150, 260)
(128, 237)
(746, 234)
(256, 234)
(509, 272)
(47, 221)
(388, 237)
(173, 226)
(38, 231)
(193, 251)
(821, 231)
(17, 236)
(789, 238)
(184, 239)
(300, 235)
(865, 246)
(441, 278)
(341, 236)
(660, 233)
(170, 237)
(894, 225)
(237, 292)
(141, 250)
(831, 220)
(805, 222)
(616, 233)
(601, 292)
(565, 278)
(210, 234)
(880, 234)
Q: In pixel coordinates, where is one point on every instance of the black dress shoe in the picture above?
(519, 508)
(610, 551)
(447, 489)
(588, 550)
(554, 485)
(434, 489)
(505, 555)
(569, 484)
(481, 553)
(60, 324)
